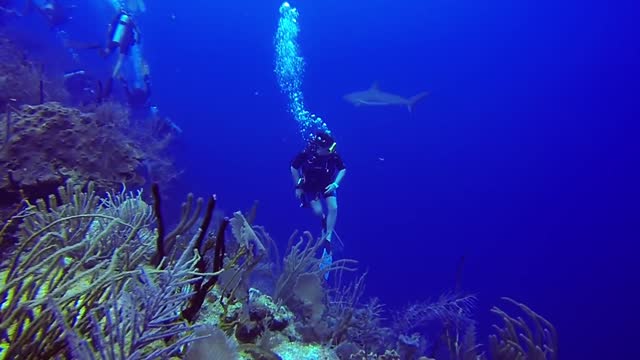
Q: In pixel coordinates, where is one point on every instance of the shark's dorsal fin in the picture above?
(374, 86)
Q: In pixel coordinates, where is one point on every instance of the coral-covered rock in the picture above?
(347, 351)
(262, 308)
(392, 355)
(258, 353)
(363, 355)
(43, 146)
(297, 351)
(249, 331)
(262, 314)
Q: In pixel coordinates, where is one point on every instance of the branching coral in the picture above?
(518, 340)
(248, 254)
(348, 319)
(449, 307)
(461, 343)
(79, 220)
(166, 242)
(78, 285)
(167, 252)
(366, 328)
(450, 314)
(135, 323)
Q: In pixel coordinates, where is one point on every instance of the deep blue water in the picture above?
(523, 159)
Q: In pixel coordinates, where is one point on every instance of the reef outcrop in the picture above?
(44, 146)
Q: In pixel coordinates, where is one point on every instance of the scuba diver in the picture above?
(83, 88)
(317, 172)
(122, 35)
(52, 10)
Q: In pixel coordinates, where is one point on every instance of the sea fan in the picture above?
(449, 307)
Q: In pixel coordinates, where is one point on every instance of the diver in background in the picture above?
(81, 86)
(317, 172)
(122, 34)
(137, 97)
(52, 10)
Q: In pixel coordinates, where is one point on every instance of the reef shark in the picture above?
(374, 97)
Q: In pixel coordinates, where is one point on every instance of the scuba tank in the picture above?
(121, 28)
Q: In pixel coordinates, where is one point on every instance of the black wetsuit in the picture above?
(318, 171)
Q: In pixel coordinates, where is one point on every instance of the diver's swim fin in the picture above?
(99, 92)
(327, 252)
(325, 262)
(108, 86)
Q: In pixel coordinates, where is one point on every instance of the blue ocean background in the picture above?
(523, 161)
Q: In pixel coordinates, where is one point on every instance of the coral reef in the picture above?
(104, 278)
(296, 350)
(91, 278)
(22, 81)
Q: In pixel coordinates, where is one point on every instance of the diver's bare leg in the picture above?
(116, 69)
(332, 215)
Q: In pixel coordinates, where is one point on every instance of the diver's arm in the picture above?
(109, 36)
(112, 27)
(339, 176)
(137, 37)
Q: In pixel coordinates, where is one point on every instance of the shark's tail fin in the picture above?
(414, 99)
